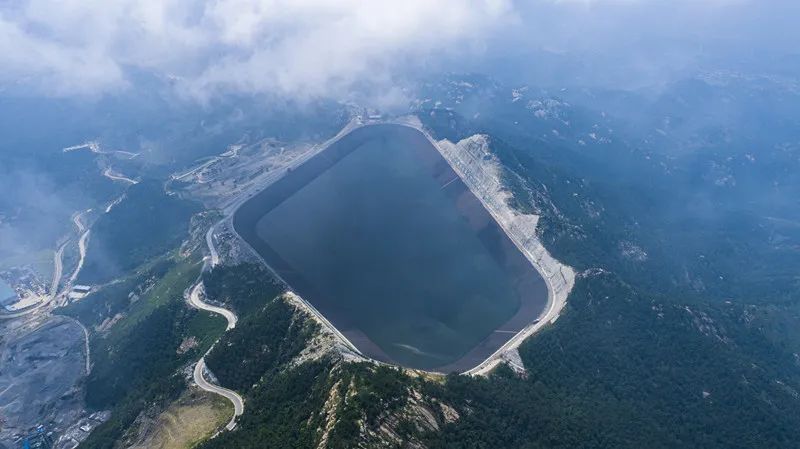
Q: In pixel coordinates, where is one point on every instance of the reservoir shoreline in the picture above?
(529, 285)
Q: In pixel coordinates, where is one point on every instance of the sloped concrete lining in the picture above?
(480, 170)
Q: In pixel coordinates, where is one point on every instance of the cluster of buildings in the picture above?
(39, 439)
(20, 288)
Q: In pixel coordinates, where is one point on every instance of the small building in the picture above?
(79, 292)
(73, 295)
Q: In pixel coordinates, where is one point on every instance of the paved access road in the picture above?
(195, 299)
(238, 404)
(108, 173)
(211, 248)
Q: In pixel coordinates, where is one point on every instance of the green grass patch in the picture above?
(136, 363)
(170, 287)
(115, 298)
(207, 327)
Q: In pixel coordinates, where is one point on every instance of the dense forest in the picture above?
(267, 338)
(625, 370)
(641, 357)
(286, 398)
(637, 375)
(147, 223)
(245, 288)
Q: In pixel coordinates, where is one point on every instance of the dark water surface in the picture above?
(384, 239)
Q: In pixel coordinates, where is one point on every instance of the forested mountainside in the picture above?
(400, 224)
(670, 338)
(702, 207)
(666, 341)
(148, 223)
(637, 374)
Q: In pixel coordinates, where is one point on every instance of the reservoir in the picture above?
(385, 240)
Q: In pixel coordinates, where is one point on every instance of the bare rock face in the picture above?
(395, 427)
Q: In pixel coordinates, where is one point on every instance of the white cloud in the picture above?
(295, 47)
(309, 48)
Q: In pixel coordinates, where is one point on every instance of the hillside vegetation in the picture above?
(136, 362)
(664, 343)
(637, 375)
(147, 223)
(681, 330)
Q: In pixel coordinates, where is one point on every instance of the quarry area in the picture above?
(43, 364)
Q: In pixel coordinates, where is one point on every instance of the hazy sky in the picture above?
(308, 48)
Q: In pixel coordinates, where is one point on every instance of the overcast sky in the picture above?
(309, 48)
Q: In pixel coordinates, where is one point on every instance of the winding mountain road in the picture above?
(82, 243)
(195, 300)
(238, 404)
(211, 248)
(58, 268)
(108, 173)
